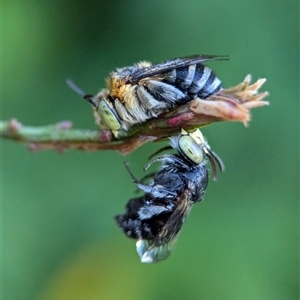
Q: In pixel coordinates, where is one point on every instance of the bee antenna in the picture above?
(88, 98)
(74, 87)
(213, 165)
(218, 159)
(79, 91)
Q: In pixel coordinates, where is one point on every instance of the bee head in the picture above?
(194, 147)
(107, 115)
(191, 146)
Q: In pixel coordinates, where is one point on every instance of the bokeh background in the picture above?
(59, 239)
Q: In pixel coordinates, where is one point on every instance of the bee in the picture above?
(143, 91)
(154, 219)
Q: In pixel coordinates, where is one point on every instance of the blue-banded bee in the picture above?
(155, 218)
(143, 91)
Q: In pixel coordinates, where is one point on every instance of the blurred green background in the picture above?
(59, 239)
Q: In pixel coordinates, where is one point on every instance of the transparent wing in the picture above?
(175, 63)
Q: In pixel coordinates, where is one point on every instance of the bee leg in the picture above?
(146, 177)
(135, 180)
(151, 105)
(168, 159)
(157, 191)
(160, 150)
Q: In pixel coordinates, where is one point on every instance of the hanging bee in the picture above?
(156, 218)
(143, 91)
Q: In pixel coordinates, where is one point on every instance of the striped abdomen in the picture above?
(195, 80)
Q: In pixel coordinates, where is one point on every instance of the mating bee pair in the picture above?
(155, 218)
(143, 91)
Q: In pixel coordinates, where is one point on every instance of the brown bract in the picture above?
(233, 104)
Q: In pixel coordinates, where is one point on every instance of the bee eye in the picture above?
(107, 115)
(189, 148)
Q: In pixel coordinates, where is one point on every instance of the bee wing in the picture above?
(176, 220)
(161, 246)
(175, 63)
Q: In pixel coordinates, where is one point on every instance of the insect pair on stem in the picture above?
(134, 95)
(143, 91)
